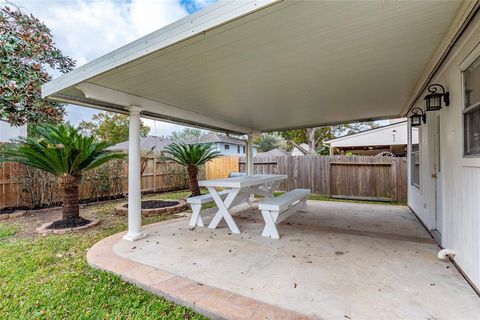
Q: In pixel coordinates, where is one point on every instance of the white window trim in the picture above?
(419, 134)
(467, 159)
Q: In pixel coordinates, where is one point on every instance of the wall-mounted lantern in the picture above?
(433, 100)
(417, 117)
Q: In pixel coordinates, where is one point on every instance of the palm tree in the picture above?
(64, 152)
(192, 156)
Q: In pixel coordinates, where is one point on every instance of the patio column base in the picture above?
(131, 236)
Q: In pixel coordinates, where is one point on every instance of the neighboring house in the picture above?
(391, 138)
(301, 149)
(273, 153)
(226, 145)
(8, 132)
(147, 144)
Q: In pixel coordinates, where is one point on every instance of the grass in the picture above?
(47, 277)
(320, 197)
(6, 231)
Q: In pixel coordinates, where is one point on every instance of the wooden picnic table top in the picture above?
(243, 181)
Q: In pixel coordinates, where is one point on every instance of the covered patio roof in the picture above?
(256, 66)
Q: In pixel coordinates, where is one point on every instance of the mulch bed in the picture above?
(9, 210)
(156, 204)
(69, 223)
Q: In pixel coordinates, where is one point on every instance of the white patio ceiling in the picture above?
(246, 66)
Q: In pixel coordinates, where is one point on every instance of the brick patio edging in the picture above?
(212, 302)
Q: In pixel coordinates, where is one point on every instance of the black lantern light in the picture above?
(417, 117)
(433, 100)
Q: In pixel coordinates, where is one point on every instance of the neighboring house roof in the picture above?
(146, 144)
(273, 153)
(217, 138)
(391, 134)
(300, 149)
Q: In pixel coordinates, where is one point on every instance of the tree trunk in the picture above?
(70, 208)
(192, 179)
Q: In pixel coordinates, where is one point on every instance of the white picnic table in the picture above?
(238, 190)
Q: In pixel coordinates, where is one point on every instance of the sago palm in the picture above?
(62, 151)
(192, 156)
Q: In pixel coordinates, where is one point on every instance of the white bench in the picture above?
(196, 204)
(278, 209)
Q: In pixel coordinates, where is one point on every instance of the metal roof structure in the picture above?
(259, 66)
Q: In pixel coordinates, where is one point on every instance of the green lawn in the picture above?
(47, 277)
(325, 198)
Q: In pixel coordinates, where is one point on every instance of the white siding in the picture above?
(7, 132)
(390, 135)
(233, 150)
(459, 192)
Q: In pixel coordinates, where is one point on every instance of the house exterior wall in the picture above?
(390, 135)
(7, 132)
(233, 149)
(450, 203)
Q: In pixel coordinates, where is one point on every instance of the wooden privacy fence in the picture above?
(108, 181)
(349, 177)
(220, 167)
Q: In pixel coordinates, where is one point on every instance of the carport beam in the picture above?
(134, 177)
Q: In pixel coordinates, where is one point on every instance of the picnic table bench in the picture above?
(278, 209)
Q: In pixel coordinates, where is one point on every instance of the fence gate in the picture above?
(363, 181)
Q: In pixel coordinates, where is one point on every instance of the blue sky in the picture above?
(193, 6)
(88, 29)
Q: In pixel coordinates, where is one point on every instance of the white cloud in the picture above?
(147, 16)
(86, 30)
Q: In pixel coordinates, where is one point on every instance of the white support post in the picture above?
(249, 154)
(134, 177)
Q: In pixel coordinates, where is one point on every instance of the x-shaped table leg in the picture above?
(223, 207)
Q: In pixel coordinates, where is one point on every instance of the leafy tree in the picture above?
(315, 137)
(187, 134)
(268, 141)
(110, 126)
(192, 156)
(26, 51)
(64, 152)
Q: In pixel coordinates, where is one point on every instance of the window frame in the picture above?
(226, 146)
(419, 151)
(464, 65)
(465, 112)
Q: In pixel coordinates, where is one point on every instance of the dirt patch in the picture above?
(105, 212)
(156, 204)
(69, 223)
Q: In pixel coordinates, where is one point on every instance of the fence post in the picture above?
(154, 174)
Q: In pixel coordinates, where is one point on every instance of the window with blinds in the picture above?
(471, 112)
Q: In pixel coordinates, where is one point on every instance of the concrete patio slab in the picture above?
(335, 261)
